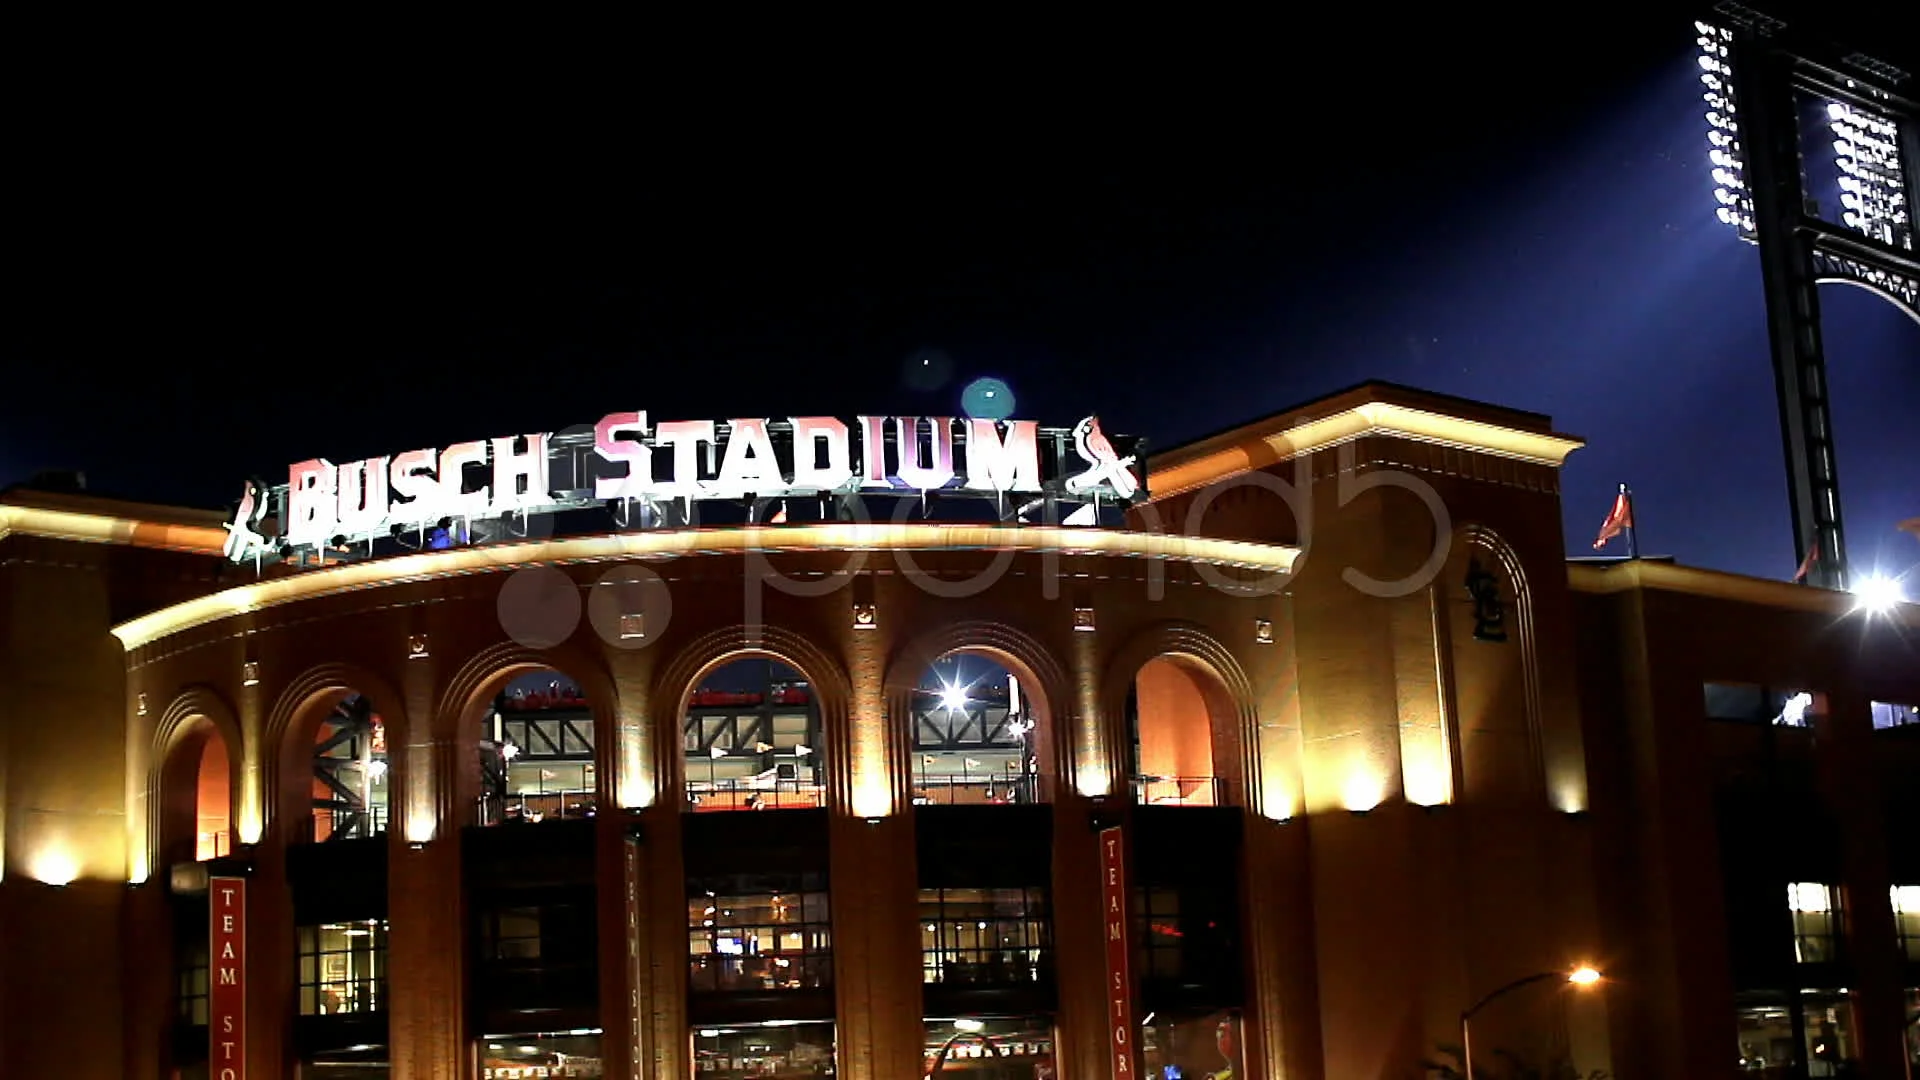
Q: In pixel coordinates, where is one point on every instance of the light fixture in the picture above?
(1083, 619)
(953, 698)
(140, 704)
(1877, 594)
(1583, 976)
(633, 626)
(865, 617)
(1263, 631)
(250, 673)
(416, 646)
(968, 1023)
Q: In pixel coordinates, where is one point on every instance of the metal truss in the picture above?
(341, 757)
(1761, 89)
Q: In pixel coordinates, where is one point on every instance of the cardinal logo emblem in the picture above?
(1104, 463)
(244, 536)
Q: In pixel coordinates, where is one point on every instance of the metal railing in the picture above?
(974, 789)
(754, 793)
(338, 823)
(534, 807)
(1175, 790)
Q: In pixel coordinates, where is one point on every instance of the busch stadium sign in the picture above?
(665, 468)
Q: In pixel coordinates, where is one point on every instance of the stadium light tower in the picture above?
(1814, 161)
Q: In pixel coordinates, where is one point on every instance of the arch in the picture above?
(1222, 685)
(1480, 538)
(681, 676)
(482, 675)
(472, 683)
(193, 712)
(298, 710)
(1017, 651)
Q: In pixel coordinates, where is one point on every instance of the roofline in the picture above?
(1630, 575)
(93, 520)
(1274, 559)
(1371, 409)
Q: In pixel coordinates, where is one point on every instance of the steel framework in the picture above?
(1761, 87)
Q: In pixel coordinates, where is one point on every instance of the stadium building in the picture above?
(889, 747)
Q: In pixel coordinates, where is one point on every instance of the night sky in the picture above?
(236, 266)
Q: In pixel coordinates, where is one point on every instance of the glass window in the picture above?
(1889, 715)
(191, 963)
(513, 934)
(526, 1056)
(983, 1048)
(1816, 922)
(985, 936)
(1830, 1046)
(1765, 1034)
(343, 967)
(773, 1051)
(1192, 1045)
(759, 934)
(1185, 935)
(1906, 919)
(1763, 705)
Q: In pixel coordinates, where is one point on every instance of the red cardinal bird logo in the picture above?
(1105, 465)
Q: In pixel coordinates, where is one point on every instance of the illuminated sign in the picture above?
(627, 460)
(227, 979)
(1119, 957)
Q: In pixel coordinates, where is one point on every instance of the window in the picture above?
(1816, 922)
(983, 1048)
(759, 934)
(513, 933)
(523, 1057)
(985, 936)
(192, 966)
(1830, 1046)
(1185, 935)
(1763, 705)
(763, 1051)
(1906, 919)
(343, 967)
(1889, 715)
(1192, 1044)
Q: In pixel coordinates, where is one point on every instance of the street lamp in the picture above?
(1582, 976)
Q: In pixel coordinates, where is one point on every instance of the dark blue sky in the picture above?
(319, 260)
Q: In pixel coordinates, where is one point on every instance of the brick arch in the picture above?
(681, 675)
(1223, 684)
(1480, 538)
(296, 713)
(1019, 652)
(194, 710)
(480, 674)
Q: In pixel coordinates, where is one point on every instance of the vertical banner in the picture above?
(227, 979)
(1113, 905)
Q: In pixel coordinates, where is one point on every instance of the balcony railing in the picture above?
(973, 789)
(533, 807)
(336, 823)
(1176, 790)
(754, 793)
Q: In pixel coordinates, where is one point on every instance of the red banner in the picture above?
(1113, 904)
(227, 979)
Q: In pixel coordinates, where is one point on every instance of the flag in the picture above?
(1619, 519)
(1806, 564)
